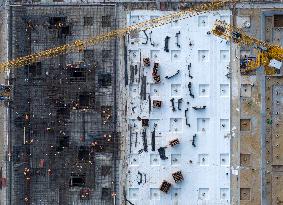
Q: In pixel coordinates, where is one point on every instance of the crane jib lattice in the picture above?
(79, 45)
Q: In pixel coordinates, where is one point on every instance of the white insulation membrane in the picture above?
(179, 92)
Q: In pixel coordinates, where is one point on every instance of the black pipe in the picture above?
(199, 108)
(125, 197)
(136, 140)
(177, 39)
(130, 139)
(166, 49)
(194, 140)
(179, 103)
(187, 123)
(189, 68)
(150, 40)
(140, 178)
(146, 37)
(153, 140)
(149, 103)
(162, 154)
(144, 141)
(173, 105)
(190, 89)
(228, 75)
(168, 77)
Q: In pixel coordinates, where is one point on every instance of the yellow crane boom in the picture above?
(79, 45)
(266, 51)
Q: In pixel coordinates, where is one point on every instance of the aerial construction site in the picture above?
(157, 102)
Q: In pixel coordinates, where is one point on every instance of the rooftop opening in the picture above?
(106, 54)
(245, 124)
(34, 69)
(106, 194)
(106, 21)
(64, 141)
(88, 21)
(88, 55)
(84, 100)
(105, 170)
(56, 21)
(104, 80)
(77, 71)
(63, 111)
(77, 180)
(245, 194)
(78, 75)
(83, 154)
(65, 30)
(278, 21)
(245, 159)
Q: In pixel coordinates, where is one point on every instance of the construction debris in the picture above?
(155, 75)
(162, 154)
(174, 142)
(199, 107)
(146, 62)
(157, 103)
(145, 122)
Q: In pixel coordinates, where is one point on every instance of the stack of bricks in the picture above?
(165, 186)
(178, 176)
